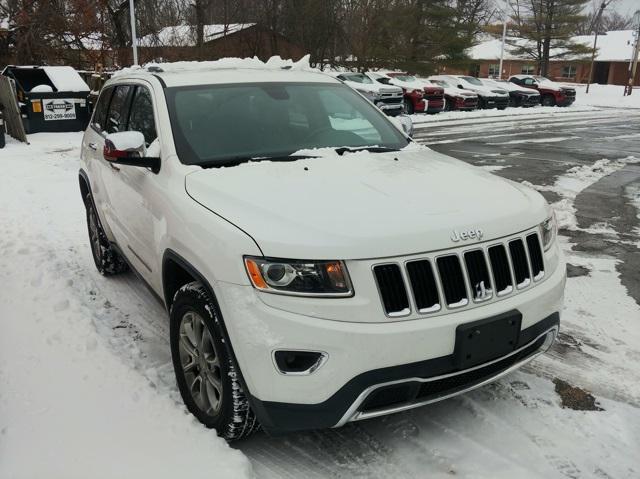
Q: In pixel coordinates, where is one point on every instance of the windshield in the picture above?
(214, 124)
(358, 78)
(440, 82)
(407, 78)
(472, 80)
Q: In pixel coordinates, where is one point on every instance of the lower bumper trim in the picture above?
(448, 385)
(345, 404)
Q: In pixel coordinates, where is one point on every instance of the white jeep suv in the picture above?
(318, 267)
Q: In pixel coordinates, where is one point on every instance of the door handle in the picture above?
(93, 146)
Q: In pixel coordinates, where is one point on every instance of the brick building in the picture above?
(611, 66)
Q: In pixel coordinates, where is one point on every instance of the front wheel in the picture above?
(548, 100)
(448, 104)
(407, 107)
(205, 371)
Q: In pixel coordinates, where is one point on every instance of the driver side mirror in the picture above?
(407, 125)
(128, 148)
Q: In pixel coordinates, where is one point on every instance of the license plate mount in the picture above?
(487, 339)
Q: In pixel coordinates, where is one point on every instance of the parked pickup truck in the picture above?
(457, 98)
(415, 100)
(386, 97)
(518, 95)
(318, 267)
(551, 93)
(488, 97)
(434, 94)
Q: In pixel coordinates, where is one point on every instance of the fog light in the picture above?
(299, 362)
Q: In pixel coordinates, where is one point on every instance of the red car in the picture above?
(414, 100)
(551, 93)
(434, 94)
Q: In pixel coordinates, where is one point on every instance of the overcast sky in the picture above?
(626, 6)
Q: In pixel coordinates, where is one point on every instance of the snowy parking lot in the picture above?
(87, 387)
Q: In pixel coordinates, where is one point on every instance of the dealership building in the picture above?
(614, 52)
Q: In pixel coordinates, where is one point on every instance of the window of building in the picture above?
(569, 71)
(528, 70)
(494, 70)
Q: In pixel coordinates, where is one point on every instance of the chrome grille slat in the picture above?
(457, 279)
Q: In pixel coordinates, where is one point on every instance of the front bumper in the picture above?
(391, 109)
(400, 388)
(361, 356)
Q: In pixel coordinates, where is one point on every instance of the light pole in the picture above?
(595, 27)
(504, 38)
(134, 38)
(633, 64)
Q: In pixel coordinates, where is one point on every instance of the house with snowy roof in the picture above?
(614, 52)
(175, 43)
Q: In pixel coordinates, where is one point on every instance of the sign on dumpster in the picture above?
(58, 109)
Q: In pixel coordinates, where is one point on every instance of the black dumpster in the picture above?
(51, 98)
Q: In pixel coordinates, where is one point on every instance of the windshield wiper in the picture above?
(373, 149)
(235, 161)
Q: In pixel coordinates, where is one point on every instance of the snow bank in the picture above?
(607, 96)
(70, 407)
(455, 117)
(273, 63)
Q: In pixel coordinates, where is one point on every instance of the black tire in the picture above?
(407, 107)
(211, 365)
(107, 260)
(448, 104)
(2, 139)
(548, 100)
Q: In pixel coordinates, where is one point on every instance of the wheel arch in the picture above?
(185, 272)
(85, 185)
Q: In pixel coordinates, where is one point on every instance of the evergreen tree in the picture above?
(543, 30)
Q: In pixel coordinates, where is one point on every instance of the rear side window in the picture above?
(118, 109)
(100, 114)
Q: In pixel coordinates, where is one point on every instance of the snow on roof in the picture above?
(66, 79)
(612, 46)
(230, 70)
(186, 35)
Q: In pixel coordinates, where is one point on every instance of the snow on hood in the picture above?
(409, 85)
(364, 205)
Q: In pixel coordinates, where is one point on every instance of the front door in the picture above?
(131, 187)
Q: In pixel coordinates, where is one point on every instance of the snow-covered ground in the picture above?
(606, 96)
(86, 386)
(73, 405)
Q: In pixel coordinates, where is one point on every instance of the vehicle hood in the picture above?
(460, 92)
(509, 86)
(551, 85)
(484, 90)
(374, 87)
(364, 205)
(409, 85)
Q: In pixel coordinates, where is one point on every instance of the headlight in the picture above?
(549, 229)
(299, 277)
(369, 94)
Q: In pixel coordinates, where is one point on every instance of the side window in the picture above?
(343, 117)
(141, 117)
(100, 113)
(529, 81)
(117, 116)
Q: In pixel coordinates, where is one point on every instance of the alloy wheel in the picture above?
(200, 363)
